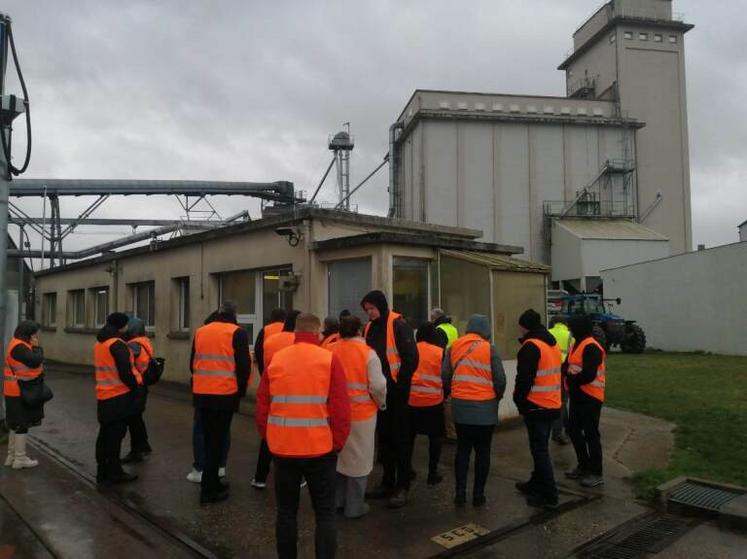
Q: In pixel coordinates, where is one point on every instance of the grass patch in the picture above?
(705, 396)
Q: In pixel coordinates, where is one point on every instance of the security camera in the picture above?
(293, 234)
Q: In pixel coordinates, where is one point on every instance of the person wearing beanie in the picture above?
(472, 374)
(393, 340)
(584, 373)
(23, 362)
(142, 352)
(537, 396)
(117, 388)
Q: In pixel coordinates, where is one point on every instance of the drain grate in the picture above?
(637, 538)
(701, 496)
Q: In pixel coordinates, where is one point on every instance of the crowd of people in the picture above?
(338, 396)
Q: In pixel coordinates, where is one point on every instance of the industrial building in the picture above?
(743, 231)
(689, 302)
(533, 171)
(317, 260)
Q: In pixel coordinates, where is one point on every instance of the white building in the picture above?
(614, 150)
(743, 231)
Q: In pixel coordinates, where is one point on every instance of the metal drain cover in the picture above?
(700, 496)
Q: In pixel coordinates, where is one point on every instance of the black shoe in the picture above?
(576, 473)
(380, 492)
(542, 502)
(561, 439)
(132, 458)
(525, 487)
(399, 499)
(122, 477)
(460, 500)
(214, 496)
(479, 500)
(434, 478)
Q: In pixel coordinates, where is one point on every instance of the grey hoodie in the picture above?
(472, 412)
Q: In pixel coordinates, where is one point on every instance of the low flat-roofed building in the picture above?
(314, 260)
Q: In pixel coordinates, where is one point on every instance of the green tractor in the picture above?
(609, 329)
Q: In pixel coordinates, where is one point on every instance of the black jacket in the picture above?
(243, 369)
(592, 357)
(125, 405)
(528, 359)
(408, 350)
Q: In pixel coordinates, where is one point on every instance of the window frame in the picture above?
(99, 321)
(628, 35)
(149, 321)
(49, 319)
(76, 310)
(182, 314)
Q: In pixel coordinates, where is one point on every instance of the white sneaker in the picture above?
(303, 483)
(195, 476)
(21, 462)
(9, 459)
(222, 472)
(258, 484)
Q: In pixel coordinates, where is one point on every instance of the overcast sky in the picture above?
(242, 90)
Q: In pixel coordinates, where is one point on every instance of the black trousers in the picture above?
(108, 448)
(217, 424)
(435, 446)
(542, 481)
(264, 459)
(138, 434)
(320, 474)
(583, 428)
(395, 444)
(479, 439)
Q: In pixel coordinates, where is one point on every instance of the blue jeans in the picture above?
(198, 444)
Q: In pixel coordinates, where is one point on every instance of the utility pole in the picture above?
(4, 187)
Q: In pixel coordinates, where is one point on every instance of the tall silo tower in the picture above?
(341, 144)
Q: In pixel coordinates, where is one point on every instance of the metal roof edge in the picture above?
(515, 264)
(414, 240)
(680, 255)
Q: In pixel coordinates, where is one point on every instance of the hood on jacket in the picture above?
(478, 324)
(580, 326)
(26, 329)
(540, 333)
(290, 321)
(378, 300)
(135, 328)
(427, 333)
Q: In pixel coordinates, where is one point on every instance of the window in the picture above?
(658, 38)
(76, 309)
(240, 288)
(347, 282)
(273, 297)
(182, 304)
(673, 39)
(411, 283)
(613, 38)
(643, 36)
(628, 35)
(143, 302)
(100, 300)
(49, 309)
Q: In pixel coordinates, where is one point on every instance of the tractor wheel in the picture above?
(635, 340)
(600, 336)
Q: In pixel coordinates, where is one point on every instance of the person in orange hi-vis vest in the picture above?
(117, 385)
(331, 332)
(142, 352)
(367, 391)
(303, 411)
(393, 340)
(272, 344)
(23, 361)
(275, 326)
(584, 374)
(427, 397)
(473, 375)
(537, 396)
(220, 365)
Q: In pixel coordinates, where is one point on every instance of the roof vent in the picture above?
(548, 109)
(462, 105)
(498, 107)
(514, 108)
(479, 106)
(444, 105)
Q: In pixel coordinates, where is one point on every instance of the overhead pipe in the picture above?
(393, 193)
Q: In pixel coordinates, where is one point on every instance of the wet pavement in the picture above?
(244, 525)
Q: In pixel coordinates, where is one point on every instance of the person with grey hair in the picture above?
(220, 365)
(447, 332)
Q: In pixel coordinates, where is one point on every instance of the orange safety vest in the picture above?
(545, 391)
(427, 388)
(15, 370)
(392, 353)
(330, 340)
(108, 383)
(595, 389)
(473, 374)
(213, 365)
(353, 355)
(298, 424)
(273, 328)
(279, 341)
(146, 353)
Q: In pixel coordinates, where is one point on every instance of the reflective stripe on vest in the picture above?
(213, 365)
(353, 356)
(146, 352)
(545, 391)
(473, 375)
(595, 389)
(277, 342)
(108, 383)
(452, 334)
(14, 370)
(427, 388)
(392, 353)
(298, 422)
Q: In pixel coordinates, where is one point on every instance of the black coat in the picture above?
(20, 417)
(123, 406)
(592, 357)
(527, 363)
